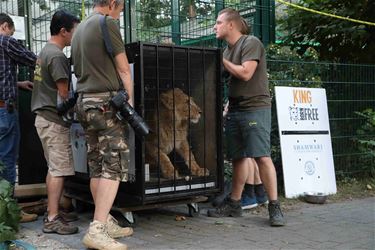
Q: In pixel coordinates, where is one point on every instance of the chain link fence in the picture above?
(350, 90)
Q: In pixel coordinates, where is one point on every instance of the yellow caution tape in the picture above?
(325, 14)
(83, 10)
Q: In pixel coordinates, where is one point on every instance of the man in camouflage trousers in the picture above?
(97, 83)
(108, 147)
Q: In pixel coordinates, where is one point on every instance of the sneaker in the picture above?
(260, 194)
(262, 200)
(248, 202)
(115, 231)
(68, 216)
(26, 217)
(58, 226)
(97, 238)
(276, 216)
(228, 208)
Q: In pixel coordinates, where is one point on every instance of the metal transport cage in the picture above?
(177, 90)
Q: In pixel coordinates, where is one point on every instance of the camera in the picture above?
(65, 106)
(127, 112)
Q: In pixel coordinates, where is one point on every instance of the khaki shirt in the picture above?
(253, 94)
(52, 65)
(93, 66)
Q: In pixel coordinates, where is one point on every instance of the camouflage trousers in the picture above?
(107, 149)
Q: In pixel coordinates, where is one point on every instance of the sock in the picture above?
(249, 190)
(233, 202)
(259, 190)
(51, 218)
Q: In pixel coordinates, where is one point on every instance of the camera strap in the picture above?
(108, 44)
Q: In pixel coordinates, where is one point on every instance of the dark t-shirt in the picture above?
(253, 94)
(93, 66)
(52, 65)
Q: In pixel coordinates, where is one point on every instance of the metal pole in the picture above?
(219, 5)
(272, 22)
(130, 21)
(258, 19)
(176, 30)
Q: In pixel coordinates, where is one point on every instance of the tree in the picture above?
(336, 39)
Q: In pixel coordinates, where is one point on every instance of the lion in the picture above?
(172, 134)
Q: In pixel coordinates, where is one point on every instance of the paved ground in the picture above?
(345, 225)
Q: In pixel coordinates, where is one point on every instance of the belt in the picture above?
(2, 104)
(98, 94)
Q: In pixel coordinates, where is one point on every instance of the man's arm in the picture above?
(123, 69)
(63, 88)
(244, 72)
(120, 58)
(19, 53)
(27, 85)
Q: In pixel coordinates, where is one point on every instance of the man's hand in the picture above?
(226, 109)
(244, 71)
(226, 63)
(27, 85)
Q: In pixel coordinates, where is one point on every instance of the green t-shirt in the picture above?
(253, 94)
(93, 66)
(52, 65)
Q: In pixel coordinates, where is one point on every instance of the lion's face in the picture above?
(293, 112)
(183, 105)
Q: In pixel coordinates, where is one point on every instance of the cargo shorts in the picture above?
(107, 149)
(248, 134)
(55, 140)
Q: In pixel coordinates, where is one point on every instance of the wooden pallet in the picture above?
(29, 190)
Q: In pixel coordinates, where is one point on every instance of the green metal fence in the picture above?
(350, 88)
(191, 22)
(186, 22)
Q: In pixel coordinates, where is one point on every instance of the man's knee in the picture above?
(239, 162)
(264, 161)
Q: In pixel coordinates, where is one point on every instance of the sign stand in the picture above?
(305, 141)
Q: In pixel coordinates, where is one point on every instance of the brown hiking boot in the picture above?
(115, 231)
(97, 238)
(58, 226)
(25, 217)
(276, 216)
(68, 216)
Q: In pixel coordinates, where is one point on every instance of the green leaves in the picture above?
(6, 233)
(339, 40)
(366, 140)
(9, 212)
(5, 189)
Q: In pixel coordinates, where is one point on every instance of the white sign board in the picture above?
(305, 141)
(19, 24)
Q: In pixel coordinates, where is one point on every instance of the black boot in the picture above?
(276, 216)
(218, 200)
(228, 208)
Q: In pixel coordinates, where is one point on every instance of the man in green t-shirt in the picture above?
(248, 122)
(51, 82)
(97, 82)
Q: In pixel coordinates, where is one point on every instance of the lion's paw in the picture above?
(169, 175)
(201, 172)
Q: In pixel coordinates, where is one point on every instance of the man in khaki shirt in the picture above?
(248, 122)
(108, 152)
(51, 82)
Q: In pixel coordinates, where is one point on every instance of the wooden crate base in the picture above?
(29, 190)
